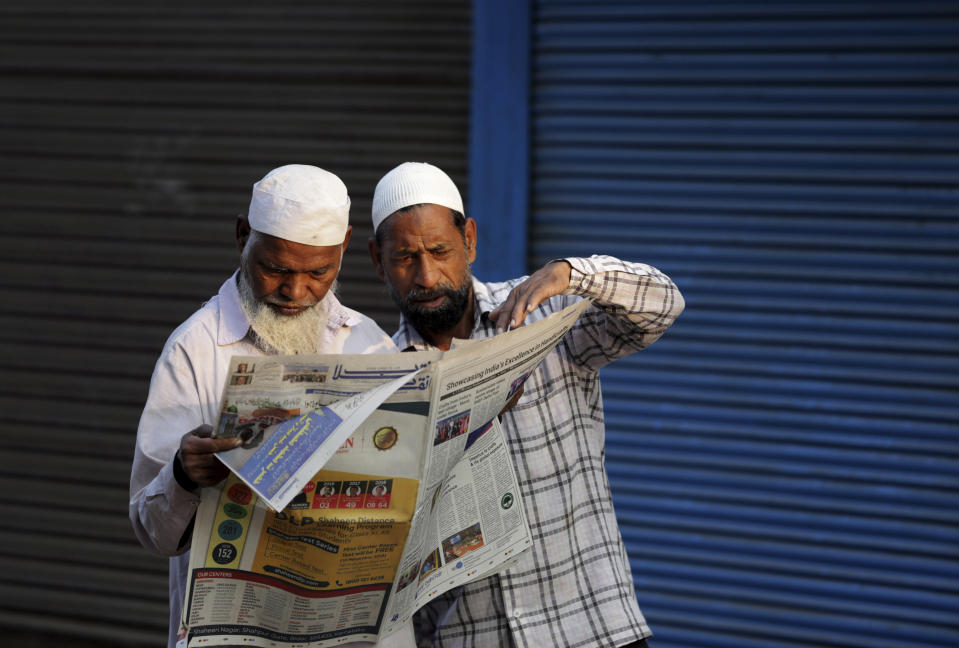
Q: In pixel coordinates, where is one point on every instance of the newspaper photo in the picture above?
(365, 486)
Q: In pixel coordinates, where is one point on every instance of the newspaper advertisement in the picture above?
(365, 487)
(284, 445)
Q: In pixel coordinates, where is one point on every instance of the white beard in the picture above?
(285, 334)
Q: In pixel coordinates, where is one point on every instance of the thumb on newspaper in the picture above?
(197, 455)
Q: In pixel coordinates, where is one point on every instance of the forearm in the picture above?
(161, 508)
(636, 291)
(634, 304)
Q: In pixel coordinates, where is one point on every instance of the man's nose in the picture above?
(294, 287)
(427, 273)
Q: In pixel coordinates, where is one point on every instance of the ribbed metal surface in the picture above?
(130, 135)
(785, 461)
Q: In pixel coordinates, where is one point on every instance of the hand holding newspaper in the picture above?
(365, 487)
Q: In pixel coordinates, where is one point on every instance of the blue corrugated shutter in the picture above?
(785, 461)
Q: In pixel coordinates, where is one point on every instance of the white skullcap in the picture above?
(413, 183)
(301, 203)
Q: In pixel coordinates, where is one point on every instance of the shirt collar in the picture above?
(484, 299)
(234, 325)
(408, 338)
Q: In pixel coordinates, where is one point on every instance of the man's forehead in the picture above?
(427, 240)
(421, 222)
(290, 252)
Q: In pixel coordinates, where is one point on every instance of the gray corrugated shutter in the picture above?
(131, 134)
(786, 460)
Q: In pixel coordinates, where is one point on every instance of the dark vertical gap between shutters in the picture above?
(131, 134)
(785, 462)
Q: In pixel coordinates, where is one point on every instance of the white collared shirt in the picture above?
(185, 393)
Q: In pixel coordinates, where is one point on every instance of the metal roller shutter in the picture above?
(785, 461)
(131, 134)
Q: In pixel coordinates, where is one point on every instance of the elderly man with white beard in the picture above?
(280, 301)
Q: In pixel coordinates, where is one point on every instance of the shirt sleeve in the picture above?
(633, 305)
(161, 510)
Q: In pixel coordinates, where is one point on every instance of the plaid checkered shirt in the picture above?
(574, 586)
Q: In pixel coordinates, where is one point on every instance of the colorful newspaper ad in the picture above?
(365, 487)
(279, 459)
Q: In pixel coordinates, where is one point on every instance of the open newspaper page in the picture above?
(471, 524)
(420, 498)
(278, 458)
(319, 572)
(470, 520)
(473, 382)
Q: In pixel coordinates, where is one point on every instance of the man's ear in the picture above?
(346, 239)
(375, 257)
(469, 231)
(242, 232)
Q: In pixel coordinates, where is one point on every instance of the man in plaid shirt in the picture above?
(574, 586)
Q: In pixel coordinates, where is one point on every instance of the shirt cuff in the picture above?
(179, 474)
(578, 275)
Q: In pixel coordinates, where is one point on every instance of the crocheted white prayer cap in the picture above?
(412, 183)
(301, 203)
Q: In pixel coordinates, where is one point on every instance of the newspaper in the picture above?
(366, 485)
